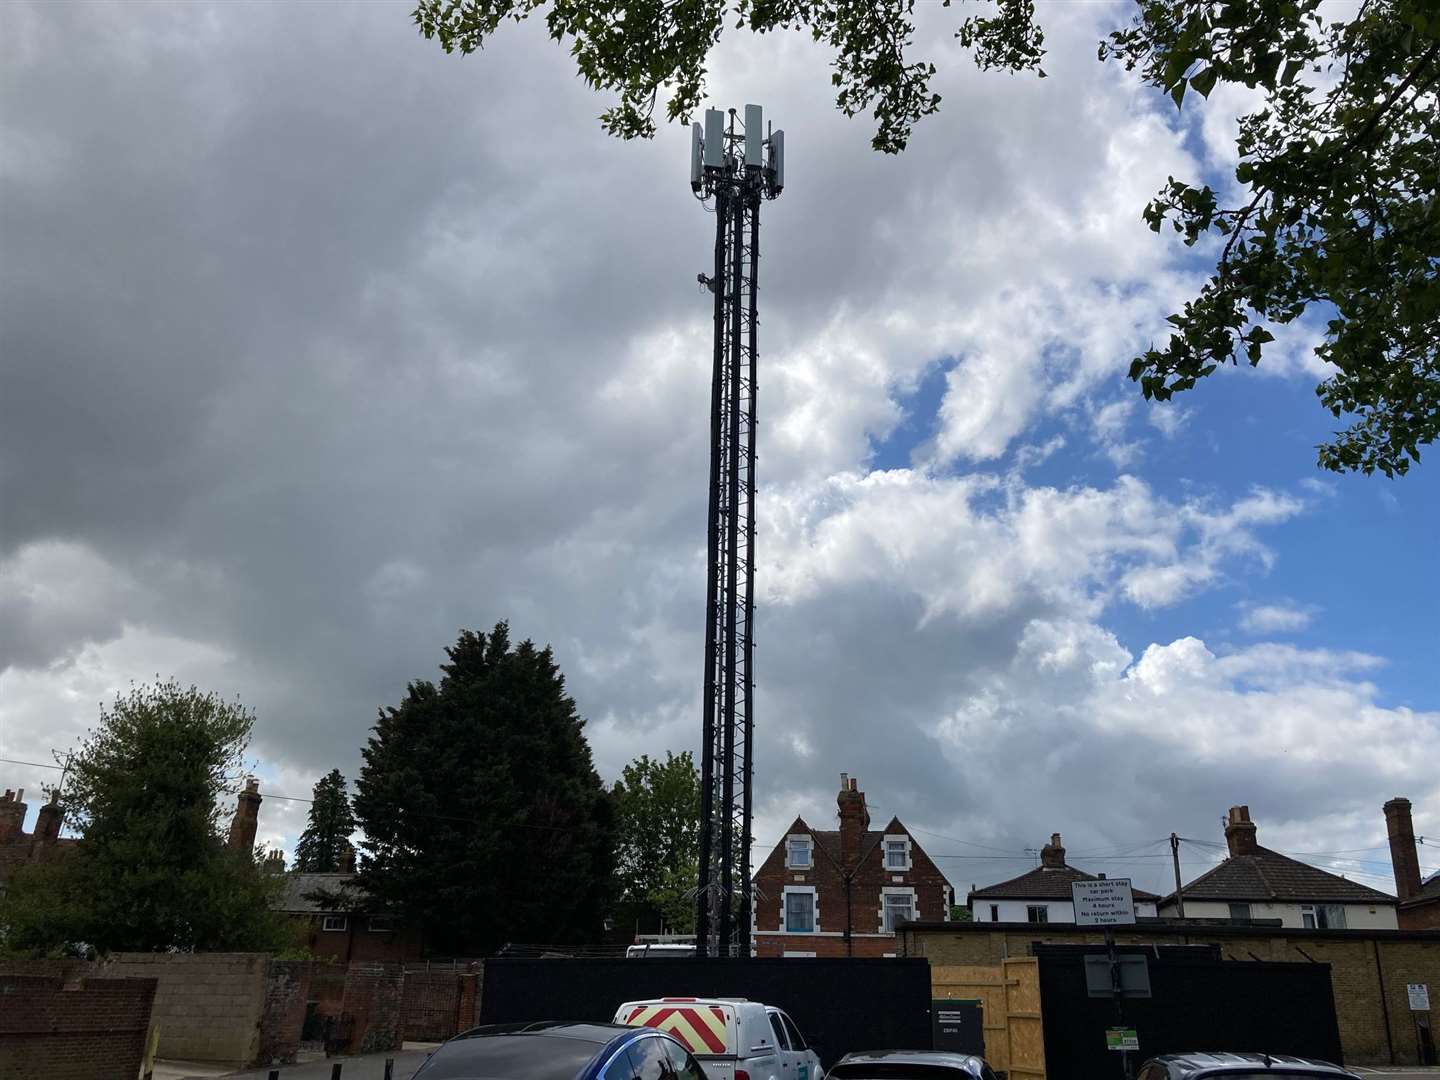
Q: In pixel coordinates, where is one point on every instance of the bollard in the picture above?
(389, 1069)
(335, 1071)
(274, 1074)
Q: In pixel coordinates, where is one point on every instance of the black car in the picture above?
(1238, 1067)
(561, 1051)
(909, 1065)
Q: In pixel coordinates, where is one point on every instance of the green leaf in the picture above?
(1204, 82)
(1178, 93)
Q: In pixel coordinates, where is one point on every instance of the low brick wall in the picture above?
(93, 1031)
(209, 1005)
(374, 1003)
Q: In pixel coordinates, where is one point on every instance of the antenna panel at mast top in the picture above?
(754, 137)
(714, 139)
(697, 164)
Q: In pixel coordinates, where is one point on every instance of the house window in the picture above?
(897, 853)
(382, 924)
(994, 912)
(335, 922)
(799, 912)
(1323, 916)
(899, 907)
(1240, 912)
(798, 853)
(1037, 913)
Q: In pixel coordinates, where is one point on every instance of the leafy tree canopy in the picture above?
(325, 844)
(149, 791)
(1337, 209)
(657, 805)
(484, 819)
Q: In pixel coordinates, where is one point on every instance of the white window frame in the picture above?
(808, 890)
(792, 952)
(801, 840)
(895, 838)
(1029, 908)
(387, 924)
(888, 891)
(327, 923)
(1310, 916)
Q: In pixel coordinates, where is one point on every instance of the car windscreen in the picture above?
(1271, 1074)
(895, 1070)
(510, 1057)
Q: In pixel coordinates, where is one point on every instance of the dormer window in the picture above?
(799, 853)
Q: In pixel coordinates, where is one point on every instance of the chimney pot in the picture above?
(844, 781)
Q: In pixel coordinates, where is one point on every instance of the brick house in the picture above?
(333, 923)
(843, 892)
(1043, 894)
(18, 847)
(1255, 883)
(1419, 907)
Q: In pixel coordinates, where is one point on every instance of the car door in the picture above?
(783, 1049)
(807, 1062)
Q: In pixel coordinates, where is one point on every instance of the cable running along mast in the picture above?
(737, 169)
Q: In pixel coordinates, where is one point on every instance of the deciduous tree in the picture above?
(658, 836)
(149, 790)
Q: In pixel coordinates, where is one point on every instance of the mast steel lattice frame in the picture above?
(738, 174)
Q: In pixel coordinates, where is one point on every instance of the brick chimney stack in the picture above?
(47, 823)
(1240, 832)
(12, 815)
(1403, 856)
(1052, 855)
(347, 858)
(247, 818)
(854, 821)
(274, 861)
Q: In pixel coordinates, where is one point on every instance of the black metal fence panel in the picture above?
(1197, 1003)
(840, 1005)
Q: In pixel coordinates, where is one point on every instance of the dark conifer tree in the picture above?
(484, 819)
(325, 843)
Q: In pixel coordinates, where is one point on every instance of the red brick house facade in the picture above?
(842, 892)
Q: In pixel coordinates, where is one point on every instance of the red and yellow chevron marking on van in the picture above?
(702, 1028)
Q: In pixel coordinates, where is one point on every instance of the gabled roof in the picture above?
(1046, 883)
(828, 840)
(1268, 875)
(317, 893)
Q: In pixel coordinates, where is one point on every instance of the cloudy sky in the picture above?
(318, 345)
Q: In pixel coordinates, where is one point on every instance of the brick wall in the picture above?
(287, 988)
(375, 1003)
(441, 1000)
(209, 1005)
(92, 1031)
(1422, 916)
(1361, 963)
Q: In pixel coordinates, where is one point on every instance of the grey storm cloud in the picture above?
(317, 345)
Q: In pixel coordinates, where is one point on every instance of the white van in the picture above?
(731, 1038)
(659, 949)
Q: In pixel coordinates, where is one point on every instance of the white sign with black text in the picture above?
(1103, 902)
(1419, 994)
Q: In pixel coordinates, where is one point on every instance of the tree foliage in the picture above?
(657, 807)
(484, 819)
(1336, 213)
(152, 870)
(325, 843)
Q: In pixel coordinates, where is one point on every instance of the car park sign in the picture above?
(1103, 902)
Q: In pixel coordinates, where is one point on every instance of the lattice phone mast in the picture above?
(737, 169)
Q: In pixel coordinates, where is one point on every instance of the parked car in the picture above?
(1237, 1067)
(733, 1039)
(560, 1051)
(655, 949)
(910, 1065)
